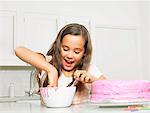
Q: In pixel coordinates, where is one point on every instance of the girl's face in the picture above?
(72, 51)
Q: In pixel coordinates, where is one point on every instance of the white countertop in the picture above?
(35, 107)
(18, 98)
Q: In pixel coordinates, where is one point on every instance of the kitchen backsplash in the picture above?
(20, 79)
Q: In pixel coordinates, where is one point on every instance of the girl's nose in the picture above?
(70, 55)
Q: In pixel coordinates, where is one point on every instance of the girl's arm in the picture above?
(86, 77)
(39, 62)
(33, 58)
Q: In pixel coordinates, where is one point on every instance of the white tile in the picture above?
(20, 78)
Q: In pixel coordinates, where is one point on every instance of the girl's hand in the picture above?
(83, 76)
(52, 74)
(53, 77)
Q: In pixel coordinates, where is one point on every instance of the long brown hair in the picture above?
(55, 50)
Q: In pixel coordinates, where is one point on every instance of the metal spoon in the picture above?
(73, 83)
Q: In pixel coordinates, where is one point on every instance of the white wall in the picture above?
(20, 78)
(131, 15)
(123, 40)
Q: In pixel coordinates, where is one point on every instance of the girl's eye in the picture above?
(65, 49)
(77, 52)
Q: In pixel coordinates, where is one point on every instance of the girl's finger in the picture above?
(87, 79)
(78, 73)
(83, 76)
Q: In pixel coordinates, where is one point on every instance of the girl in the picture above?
(68, 58)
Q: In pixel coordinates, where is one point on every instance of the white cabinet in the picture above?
(8, 39)
(36, 31)
(119, 56)
(39, 31)
(32, 30)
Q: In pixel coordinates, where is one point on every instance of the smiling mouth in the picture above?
(69, 62)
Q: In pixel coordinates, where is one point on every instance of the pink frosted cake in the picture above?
(120, 90)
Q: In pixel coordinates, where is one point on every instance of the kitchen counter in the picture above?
(19, 98)
(30, 106)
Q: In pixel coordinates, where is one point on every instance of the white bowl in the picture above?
(57, 96)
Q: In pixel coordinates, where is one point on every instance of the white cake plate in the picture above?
(113, 103)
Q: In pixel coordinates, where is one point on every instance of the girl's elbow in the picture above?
(17, 50)
(102, 77)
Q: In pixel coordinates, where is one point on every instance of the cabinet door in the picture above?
(119, 54)
(7, 39)
(39, 31)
